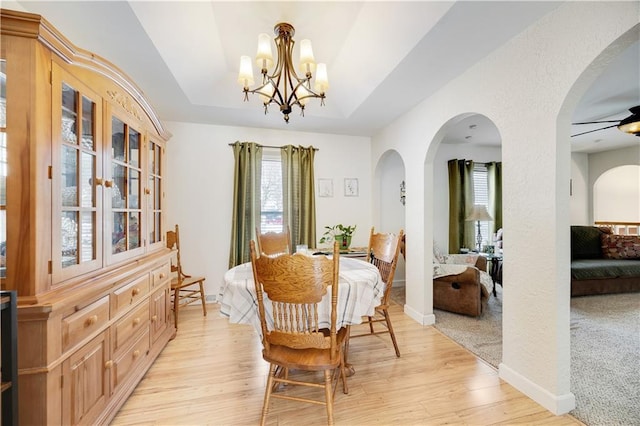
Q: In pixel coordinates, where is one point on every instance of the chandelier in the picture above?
(283, 87)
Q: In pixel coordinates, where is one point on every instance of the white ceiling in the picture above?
(382, 58)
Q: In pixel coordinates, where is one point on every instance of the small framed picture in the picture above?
(351, 187)
(325, 187)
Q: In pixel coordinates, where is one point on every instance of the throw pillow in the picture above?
(438, 257)
(586, 242)
(620, 246)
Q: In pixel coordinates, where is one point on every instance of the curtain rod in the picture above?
(271, 146)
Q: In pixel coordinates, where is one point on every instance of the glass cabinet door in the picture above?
(154, 191)
(126, 186)
(76, 233)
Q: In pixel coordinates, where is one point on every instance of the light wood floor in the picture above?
(213, 373)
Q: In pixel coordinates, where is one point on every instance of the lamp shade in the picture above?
(322, 80)
(307, 62)
(264, 57)
(245, 76)
(480, 213)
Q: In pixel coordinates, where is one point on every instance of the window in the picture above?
(481, 196)
(271, 212)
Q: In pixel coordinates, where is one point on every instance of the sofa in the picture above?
(461, 284)
(603, 262)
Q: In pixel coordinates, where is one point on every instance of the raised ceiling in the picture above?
(383, 57)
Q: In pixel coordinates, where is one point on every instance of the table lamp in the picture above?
(479, 213)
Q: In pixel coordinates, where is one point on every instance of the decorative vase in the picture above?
(343, 241)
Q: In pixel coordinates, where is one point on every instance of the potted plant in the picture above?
(340, 233)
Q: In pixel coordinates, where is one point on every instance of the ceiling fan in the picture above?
(631, 124)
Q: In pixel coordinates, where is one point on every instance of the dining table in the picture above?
(360, 290)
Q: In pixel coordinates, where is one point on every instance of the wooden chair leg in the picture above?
(176, 305)
(267, 394)
(393, 335)
(343, 373)
(204, 306)
(371, 324)
(328, 394)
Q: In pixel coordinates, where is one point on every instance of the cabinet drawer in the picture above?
(127, 362)
(129, 294)
(130, 325)
(160, 275)
(85, 321)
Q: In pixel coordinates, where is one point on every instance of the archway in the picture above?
(588, 178)
(389, 208)
(469, 136)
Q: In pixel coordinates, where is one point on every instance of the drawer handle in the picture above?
(136, 353)
(108, 364)
(135, 291)
(91, 321)
(162, 275)
(136, 321)
(154, 318)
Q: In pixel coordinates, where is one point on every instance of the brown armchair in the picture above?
(462, 293)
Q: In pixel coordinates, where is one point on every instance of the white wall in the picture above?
(580, 189)
(602, 162)
(446, 152)
(199, 188)
(616, 195)
(528, 88)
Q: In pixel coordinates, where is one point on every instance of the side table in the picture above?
(495, 270)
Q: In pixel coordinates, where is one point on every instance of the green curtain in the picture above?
(494, 175)
(246, 199)
(299, 200)
(461, 196)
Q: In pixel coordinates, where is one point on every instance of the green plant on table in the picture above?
(338, 232)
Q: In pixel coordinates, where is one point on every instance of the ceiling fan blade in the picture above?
(598, 122)
(596, 130)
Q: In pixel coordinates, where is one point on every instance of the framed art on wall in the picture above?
(351, 187)
(325, 187)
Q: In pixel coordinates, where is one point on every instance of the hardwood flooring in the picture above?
(213, 373)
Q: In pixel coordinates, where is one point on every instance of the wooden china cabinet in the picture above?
(81, 225)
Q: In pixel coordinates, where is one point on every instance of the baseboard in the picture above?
(557, 404)
(428, 319)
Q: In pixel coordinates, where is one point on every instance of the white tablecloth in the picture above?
(361, 289)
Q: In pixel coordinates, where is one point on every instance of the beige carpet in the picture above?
(605, 351)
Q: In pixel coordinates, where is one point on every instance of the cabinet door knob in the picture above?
(108, 183)
(147, 191)
(99, 181)
(136, 353)
(108, 364)
(136, 321)
(154, 318)
(135, 291)
(162, 275)
(91, 321)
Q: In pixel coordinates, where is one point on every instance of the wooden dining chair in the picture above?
(274, 243)
(185, 288)
(294, 285)
(383, 252)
